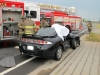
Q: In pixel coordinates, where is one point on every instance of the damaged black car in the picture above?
(47, 43)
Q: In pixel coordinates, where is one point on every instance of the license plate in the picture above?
(30, 47)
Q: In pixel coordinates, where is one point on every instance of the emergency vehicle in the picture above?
(11, 12)
(53, 14)
(10, 15)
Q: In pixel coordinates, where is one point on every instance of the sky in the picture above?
(88, 9)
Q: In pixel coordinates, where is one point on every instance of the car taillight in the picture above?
(43, 42)
(35, 41)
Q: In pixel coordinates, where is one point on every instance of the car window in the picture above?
(33, 14)
(46, 32)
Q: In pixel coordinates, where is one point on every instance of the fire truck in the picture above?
(53, 14)
(10, 15)
(11, 12)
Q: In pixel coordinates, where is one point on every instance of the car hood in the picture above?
(60, 30)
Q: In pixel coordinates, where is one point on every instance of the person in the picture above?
(89, 26)
(30, 26)
(21, 26)
(44, 23)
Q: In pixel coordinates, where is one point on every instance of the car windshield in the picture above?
(46, 32)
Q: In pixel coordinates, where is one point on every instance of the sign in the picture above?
(3, 4)
(50, 6)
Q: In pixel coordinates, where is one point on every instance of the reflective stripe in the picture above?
(28, 33)
(29, 26)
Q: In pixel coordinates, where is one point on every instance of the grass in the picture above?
(94, 37)
(98, 26)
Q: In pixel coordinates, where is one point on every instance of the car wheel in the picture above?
(73, 44)
(58, 53)
(78, 42)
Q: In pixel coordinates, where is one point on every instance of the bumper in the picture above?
(37, 52)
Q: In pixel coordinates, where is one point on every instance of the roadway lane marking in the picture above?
(18, 65)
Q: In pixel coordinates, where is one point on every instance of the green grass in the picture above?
(94, 37)
(98, 26)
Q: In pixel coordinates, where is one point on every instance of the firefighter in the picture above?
(89, 26)
(21, 26)
(29, 26)
(44, 23)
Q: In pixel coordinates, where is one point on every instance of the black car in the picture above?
(47, 44)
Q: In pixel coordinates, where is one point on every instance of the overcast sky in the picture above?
(89, 9)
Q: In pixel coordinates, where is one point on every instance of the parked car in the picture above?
(47, 44)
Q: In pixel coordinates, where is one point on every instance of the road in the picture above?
(25, 68)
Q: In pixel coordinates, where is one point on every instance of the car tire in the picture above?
(78, 42)
(73, 44)
(58, 53)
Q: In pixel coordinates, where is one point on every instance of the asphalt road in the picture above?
(28, 67)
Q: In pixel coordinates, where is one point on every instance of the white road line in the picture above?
(20, 64)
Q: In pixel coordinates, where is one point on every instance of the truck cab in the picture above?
(34, 10)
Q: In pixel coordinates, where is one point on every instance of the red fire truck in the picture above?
(53, 14)
(10, 15)
(71, 22)
(11, 11)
